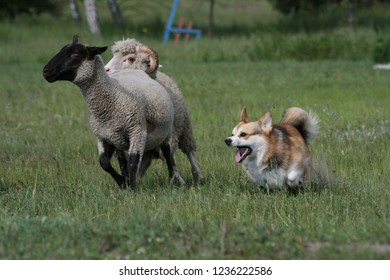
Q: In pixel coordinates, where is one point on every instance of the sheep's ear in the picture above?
(92, 51)
(244, 115)
(75, 39)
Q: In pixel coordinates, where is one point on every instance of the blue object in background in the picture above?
(169, 29)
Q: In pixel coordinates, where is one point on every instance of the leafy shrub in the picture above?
(381, 52)
(13, 9)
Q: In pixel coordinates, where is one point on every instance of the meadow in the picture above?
(57, 203)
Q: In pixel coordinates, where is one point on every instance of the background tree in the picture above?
(91, 13)
(211, 18)
(75, 11)
(296, 6)
(115, 12)
(13, 9)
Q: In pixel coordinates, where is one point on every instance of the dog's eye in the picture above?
(243, 134)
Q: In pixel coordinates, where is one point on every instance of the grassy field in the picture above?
(57, 203)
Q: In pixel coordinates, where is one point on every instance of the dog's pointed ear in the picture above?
(244, 115)
(265, 122)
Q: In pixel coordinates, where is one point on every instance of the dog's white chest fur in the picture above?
(264, 175)
(272, 176)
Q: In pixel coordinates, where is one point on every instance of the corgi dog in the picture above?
(275, 155)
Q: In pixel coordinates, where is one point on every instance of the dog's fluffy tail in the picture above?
(305, 123)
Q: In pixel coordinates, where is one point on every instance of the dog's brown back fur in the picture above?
(286, 145)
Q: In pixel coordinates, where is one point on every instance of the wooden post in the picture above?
(189, 27)
(181, 23)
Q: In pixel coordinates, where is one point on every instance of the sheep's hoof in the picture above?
(123, 186)
(177, 180)
(199, 179)
(131, 187)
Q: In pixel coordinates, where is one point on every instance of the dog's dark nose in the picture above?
(228, 141)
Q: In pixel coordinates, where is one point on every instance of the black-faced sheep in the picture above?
(131, 54)
(127, 111)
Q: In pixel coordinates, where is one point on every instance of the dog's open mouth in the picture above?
(242, 153)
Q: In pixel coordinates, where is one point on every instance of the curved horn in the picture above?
(75, 39)
(153, 58)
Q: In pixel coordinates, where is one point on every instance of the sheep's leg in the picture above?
(136, 151)
(134, 159)
(196, 173)
(168, 159)
(105, 153)
(145, 163)
(176, 175)
(122, 160)
(147, 158)
(172, 168)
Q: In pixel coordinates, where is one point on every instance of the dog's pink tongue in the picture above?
(240, 154)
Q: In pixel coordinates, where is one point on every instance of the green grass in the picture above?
(57, 203)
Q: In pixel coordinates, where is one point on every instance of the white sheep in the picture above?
(131, 54)
(382, 66)
(127, 111)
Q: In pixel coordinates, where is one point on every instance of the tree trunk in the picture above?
(92, 16)
(115, 12)
(211, 19)
(350, 13)
(74, 9)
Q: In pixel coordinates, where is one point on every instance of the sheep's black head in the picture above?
(64, 65)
